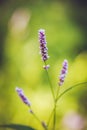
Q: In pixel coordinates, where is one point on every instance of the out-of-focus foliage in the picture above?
(17, 127)
(65, 22)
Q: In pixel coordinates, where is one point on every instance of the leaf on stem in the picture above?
(70, 88)
(17, 127)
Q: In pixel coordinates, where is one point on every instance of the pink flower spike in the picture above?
(43, 45)
(63, 72)
(22, 96)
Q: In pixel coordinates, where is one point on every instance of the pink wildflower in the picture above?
(43, 46)
(63, 72)
(22, 96)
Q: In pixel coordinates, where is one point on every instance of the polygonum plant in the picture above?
(57, 95)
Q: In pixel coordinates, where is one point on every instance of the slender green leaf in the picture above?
(17, 127)
(70, 88)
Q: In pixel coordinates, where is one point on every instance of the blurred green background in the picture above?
(65, 22)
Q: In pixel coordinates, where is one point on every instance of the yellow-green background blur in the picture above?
(65, 22)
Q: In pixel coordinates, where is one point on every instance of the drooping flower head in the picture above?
(22, 96)
(43, 45)
(63, 72)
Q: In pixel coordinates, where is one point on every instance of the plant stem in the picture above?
(57, 94)
(70, 88)
(54, 110)
(54, 118)
(50, 117)
(55, 103)
(35, 116)
(51, 87)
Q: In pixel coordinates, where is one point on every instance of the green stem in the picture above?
(57, 94)
(70, 88)
(54, 111)
(35, 116)
(55, 103)
(50, 117)
(51, 87)
(54, 119)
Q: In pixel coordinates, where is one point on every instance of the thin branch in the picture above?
(35, 116)
(51, 87)
(70, 88)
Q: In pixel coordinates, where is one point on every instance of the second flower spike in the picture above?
(22, 96)
(63, 72)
